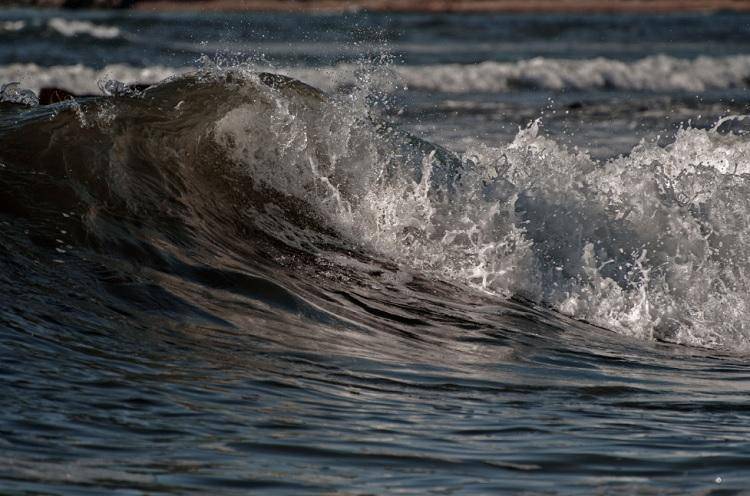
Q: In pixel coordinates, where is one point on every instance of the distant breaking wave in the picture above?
(81, 79)
(659, 73)
(67, 28)
(656, 73)
(12, 26)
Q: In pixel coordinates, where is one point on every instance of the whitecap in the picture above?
(70, 28)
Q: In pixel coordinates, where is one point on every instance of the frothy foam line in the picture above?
(12, 26)
(71, 28)
(656, 73)
(66, 27)
(81, 79)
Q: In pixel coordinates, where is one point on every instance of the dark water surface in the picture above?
(232, 283)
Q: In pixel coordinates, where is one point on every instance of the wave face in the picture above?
(201, 258)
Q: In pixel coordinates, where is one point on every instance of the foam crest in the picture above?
(306, 147)
(649, 244)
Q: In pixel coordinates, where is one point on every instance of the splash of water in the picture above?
(648, 244)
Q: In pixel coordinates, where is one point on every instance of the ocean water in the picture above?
(374, 254)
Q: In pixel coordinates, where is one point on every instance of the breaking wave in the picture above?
(81, 79)
(660, 73)
(220, 163)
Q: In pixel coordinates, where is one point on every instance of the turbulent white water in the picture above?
(654, 73)
(650, 244)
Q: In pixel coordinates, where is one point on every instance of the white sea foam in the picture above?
(652, 244)
(70, 28)
(12, 26)
(81, 79)
(656, 73)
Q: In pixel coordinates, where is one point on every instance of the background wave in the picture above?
(654, 74)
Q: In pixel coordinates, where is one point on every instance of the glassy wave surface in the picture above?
(228, 280)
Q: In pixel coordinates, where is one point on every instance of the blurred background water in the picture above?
(164, 331)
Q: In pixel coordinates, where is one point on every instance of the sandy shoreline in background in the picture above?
(509, 6)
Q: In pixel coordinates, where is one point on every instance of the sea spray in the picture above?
(647, 244)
